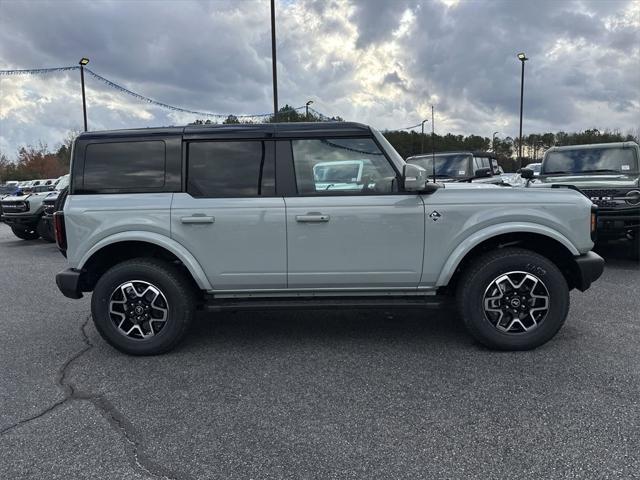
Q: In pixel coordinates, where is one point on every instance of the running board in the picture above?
(322, 303)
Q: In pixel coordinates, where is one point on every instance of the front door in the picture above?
(229, 217)
(349, 227)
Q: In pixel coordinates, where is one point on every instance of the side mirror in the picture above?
(526, 173)
(483, 172)
(414, 178)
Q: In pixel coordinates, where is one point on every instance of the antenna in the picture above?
(433, 146)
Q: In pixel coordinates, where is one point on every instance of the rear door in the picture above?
(348, 225)
(229, 217)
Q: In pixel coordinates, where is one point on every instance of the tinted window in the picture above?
(454, 165)
(124, 165)
(229, 169)
(349, 166)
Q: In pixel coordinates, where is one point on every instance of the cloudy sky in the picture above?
(382, 62)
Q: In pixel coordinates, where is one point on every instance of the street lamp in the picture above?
(306, 106)
(83, 61)
(523, 58)
(493, 141)
(273, 60)
(422, 136)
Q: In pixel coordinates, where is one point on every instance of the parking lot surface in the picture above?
(328, 394)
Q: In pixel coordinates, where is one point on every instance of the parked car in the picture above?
(159, 222)
(7, 190)
(49, 205)
(23, 211)
(480, 167)
(608, 174)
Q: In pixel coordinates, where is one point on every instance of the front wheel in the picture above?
(25, 233)
(143, 306)
(513, 299)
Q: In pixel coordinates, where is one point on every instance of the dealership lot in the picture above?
(355, 394)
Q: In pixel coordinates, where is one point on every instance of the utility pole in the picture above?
(274, 60)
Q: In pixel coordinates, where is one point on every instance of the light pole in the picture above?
(274, 61)
(83, 61)
(493, 141)
(422, 136)
(523, 58)
(306, 107)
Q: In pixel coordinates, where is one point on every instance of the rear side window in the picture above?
(230, 169)
(131, 166)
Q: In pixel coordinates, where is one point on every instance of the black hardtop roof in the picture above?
(242, 130)
(457, 152)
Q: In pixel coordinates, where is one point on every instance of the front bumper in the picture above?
(618, 223)
(589, 268)
(15, 220)
(68, 282)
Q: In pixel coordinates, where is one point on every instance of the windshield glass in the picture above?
(452, 166)
(7, 189)
(535, 167)
(591, 160)
(63, 183)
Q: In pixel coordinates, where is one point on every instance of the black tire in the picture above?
(25, 233)
(479, 277)
(44, 230)
(174, 286)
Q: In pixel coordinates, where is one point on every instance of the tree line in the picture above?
(40, 162)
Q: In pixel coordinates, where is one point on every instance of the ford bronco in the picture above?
(480, 167)
(609, 175)
(161, 222)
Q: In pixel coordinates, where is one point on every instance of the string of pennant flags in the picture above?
(120, 88)
(126, 91)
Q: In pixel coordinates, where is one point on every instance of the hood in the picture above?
(467, 186)
(604, 181)
(16, 198)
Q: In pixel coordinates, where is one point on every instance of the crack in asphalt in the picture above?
(108, 411)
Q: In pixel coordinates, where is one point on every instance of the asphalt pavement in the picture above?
(365, 394)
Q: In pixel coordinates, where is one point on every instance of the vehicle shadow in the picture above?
(378, 326)
(618, 253)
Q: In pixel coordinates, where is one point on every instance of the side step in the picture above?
(322, 303)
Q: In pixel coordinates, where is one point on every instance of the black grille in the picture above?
(14, 207)
(605, 197)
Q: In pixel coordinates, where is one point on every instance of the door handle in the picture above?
(200, 219)
(312, 217)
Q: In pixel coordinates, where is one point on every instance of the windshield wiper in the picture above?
(557, 172)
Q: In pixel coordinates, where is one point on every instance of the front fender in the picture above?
(168, 244)
(476, 238)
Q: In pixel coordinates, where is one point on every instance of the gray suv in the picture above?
(161, 222)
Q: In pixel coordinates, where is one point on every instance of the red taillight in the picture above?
(60, 231)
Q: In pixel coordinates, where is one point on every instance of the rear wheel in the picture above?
(143, 306)
(513, 299)
(25, 233)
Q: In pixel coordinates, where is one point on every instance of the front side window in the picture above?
(229, 169)
(341, 165)
(591, 160)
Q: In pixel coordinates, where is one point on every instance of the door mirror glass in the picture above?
(414, 178)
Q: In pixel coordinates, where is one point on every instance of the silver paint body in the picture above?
(373, 244)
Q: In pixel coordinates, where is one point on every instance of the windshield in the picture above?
(7, 189)
(63, 183)
(453, 166)
(535, 167)
(591, 160)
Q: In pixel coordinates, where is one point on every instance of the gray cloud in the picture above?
(354, 58)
